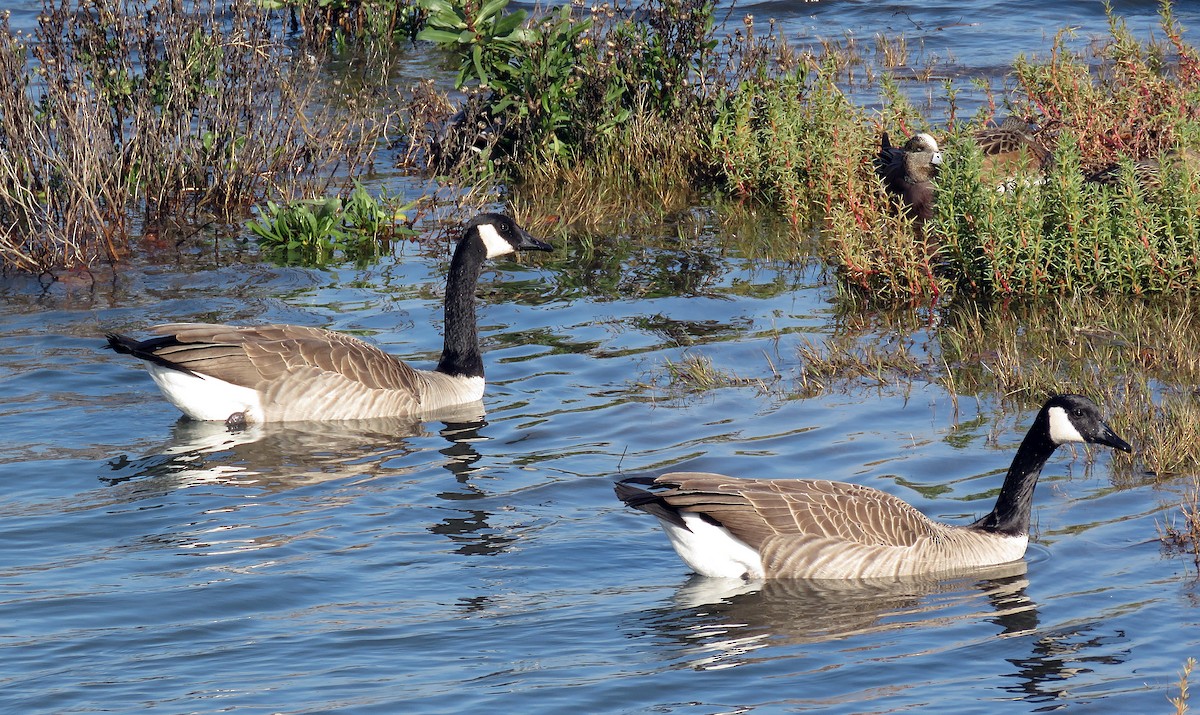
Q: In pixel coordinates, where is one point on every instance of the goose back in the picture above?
(1012, 144)
(806, 528)
(295, 372)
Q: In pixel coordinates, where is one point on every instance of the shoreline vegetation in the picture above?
(1072, 266)
(123, 120)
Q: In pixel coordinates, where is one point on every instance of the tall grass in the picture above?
(119, 115)
(127, 114)
(791, 140)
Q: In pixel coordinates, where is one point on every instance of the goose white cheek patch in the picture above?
(1061, 428)
(495, 244)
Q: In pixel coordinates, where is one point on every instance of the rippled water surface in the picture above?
(479, 562)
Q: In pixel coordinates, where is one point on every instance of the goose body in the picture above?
(280, 373)
(1149, 172)
(1012, 145)
(908, 172)
(806, 528)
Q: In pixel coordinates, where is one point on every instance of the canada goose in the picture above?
(908, 172)
(278, 373)
(807, 528)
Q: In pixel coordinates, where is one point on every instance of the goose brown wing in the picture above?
(254, 356)
(756, 510)
(1011, 137)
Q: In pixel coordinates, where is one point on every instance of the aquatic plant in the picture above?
(313, 231)
(616, 94)
(791, 140)
(1137, 356)
(695, 373)
(339, 23)
(1180, 701)
(610, 113)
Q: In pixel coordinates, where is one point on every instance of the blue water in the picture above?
(481, 563)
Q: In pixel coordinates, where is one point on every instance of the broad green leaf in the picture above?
(441, 37)
(437, 6)
(505, 25)
(489, 9)
(477, 59)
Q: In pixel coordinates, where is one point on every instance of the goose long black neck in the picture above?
(461, 356)
(1011, 514)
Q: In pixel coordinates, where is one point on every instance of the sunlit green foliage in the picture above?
(315, 231)
(566, 82)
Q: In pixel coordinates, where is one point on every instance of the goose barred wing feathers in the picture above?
(761, 510)
(253, 356)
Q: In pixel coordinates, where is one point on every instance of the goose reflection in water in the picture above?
(266, 459)
(720, 622)
(726, 623)
(283, 456)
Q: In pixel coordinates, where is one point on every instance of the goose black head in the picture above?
(501, 235)
(1075, 418)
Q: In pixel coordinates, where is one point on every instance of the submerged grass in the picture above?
(694, 373)
(1139, 359)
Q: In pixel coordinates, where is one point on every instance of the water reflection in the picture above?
(725, 623)
(720, 621)
(1057, 657)
(279, 457)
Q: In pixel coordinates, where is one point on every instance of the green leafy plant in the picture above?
(485, 37)
(313, 231)
(307, 226)
(574, 86)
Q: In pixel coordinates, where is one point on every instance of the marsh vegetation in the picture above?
(125, 123)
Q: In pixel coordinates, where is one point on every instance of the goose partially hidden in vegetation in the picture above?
(279, 373)
(806, 528)
(1011, 146)
(909, 171)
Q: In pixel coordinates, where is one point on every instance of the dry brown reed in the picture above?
(696, 373)
(1139, 359)
(116, 116)
(1180, 701)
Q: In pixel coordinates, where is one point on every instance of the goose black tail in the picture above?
(647, 501)
(145, 349)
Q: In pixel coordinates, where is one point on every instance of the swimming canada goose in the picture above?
(808, 528)
(908, 172)
(279, 373)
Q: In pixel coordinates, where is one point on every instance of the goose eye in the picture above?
(1078, 412)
